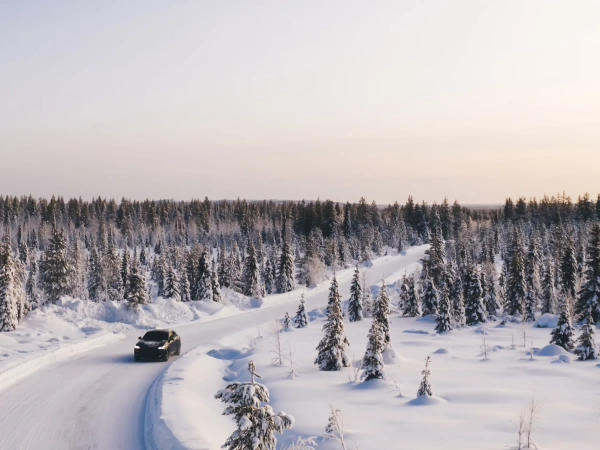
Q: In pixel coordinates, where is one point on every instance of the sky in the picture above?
(470, 100)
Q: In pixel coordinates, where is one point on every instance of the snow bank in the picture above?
(63, 353)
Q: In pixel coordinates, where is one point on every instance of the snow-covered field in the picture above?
(477, 401)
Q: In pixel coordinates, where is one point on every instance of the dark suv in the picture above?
(157, 344)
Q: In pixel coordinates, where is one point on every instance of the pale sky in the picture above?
(474, 100)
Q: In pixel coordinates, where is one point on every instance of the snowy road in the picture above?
(96, 401)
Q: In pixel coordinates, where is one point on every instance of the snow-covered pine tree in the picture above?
(372, 363)
(286, 271)
(586, 344)
(516, 286)
(589, 295)
(474, 311)
(12, 296)
(56, 271)
(301, 318)
(430, 295)
(31, 290)
(204, 289)
(138, 289)
(287, 321)
(184, 287)
(355, 306)
(443, 319)
(332, 348)
(568, 269)
(253, 287)
(256, 421)
(267, 277)
(409, 297)
(367, 299)
(548, 288)
(381, 312)
(490, 299)
(171, 289)
(125, 263)
(96, 280)
(563, 334)
(425, 387)
(112, 269)
(214, 284)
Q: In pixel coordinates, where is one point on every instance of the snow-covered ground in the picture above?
(477, 400)
(98, 399)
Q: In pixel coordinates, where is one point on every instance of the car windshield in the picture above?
(156, 336)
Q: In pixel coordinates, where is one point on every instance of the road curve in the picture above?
(96, 400)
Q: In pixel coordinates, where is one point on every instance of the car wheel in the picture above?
(166, 357)
(178, 352)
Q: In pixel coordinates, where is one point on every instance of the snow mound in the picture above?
(547, 321)
(552, 350)
(441, 351)
(482, 330)
(389, 356)
(372, 384)
(416, 331)
(563, 359)
(425, 400)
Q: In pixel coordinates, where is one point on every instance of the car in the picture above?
(157, 344)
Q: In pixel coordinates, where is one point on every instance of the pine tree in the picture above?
(409, 297)
(12, 296)
(287, 321)
(589, 294)
(587, 348)
(138, 290)
(204, 290)
(563, 334)
(184, 287)
(301, 318)
(55, 270)
(96, 279)
(425, 387)
(112, 270)
(214, 284)
(172, 284)
(488, 285)
(124, 271)
(372, 363)
(286, 270)
(430, 296)
(267, 276)
(256, 422)
(381, 312)
(31, 290)
(332, 348)
(568, 270)
(548, 289)
(252, 285)
(474, 311)
(516, 286)
(444, 319)
(355, 306)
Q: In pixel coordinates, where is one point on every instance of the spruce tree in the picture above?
(586, 344)
(287, 321)
(137, 294)
(568, 270)
(12, 295)
(430, 296)
(372, 363)
(474, 311)
(125, 270)
(332, 348)
(96, 279)
(286, 270)
(184, 287)
(381, 312)
(563, 334)
(55, 269)
(301, 318)
(548, 288)
(256, 421)
(516, 286)
(443, 320)
(589, 295)
(409, 298)
(253, 287)
(31, 290)
(267, 277)
(214, 285)
(425, 387)
(488, 286)
(355, 306)
(204, 290)
(171, 288)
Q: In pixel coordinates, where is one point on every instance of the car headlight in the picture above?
(137, 347)
(164, 347)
